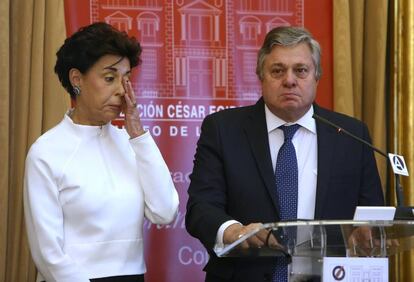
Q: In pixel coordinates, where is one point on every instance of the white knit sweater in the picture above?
(87, 190)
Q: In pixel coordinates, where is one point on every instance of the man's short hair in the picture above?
(289, 36)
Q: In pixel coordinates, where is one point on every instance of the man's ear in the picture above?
(75, 77)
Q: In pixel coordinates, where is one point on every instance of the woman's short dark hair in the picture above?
(86, 46)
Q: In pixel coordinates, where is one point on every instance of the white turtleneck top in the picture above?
(87, 190)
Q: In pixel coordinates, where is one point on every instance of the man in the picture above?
(241, 177)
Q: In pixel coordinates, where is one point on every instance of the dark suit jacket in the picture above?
(233, 178)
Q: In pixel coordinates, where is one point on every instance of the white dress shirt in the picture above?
(305, 143)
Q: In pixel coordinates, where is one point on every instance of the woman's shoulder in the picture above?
(52, 143)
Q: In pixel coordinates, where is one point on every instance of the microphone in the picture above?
(397, 163)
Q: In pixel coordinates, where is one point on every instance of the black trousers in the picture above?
(124, 278)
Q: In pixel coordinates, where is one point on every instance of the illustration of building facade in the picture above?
(252, 20)
(198, 49)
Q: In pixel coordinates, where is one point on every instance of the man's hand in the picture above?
(365, 241)
(260, 239)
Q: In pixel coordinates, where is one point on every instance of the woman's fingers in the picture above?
(130, 98)
(132, 120)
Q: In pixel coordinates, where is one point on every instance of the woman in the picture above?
(88, 184)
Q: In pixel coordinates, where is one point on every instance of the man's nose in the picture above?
(290, 79)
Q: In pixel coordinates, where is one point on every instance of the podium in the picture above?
(307, 244)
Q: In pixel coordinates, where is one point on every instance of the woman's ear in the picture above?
(75, 77)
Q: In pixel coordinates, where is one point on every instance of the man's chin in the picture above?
(290, 112)
(291, 106)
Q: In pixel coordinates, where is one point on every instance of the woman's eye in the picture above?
(109, 78)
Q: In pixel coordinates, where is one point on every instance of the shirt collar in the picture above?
(306, 121)
(85, 130)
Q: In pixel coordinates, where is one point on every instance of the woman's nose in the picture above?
(121, 91)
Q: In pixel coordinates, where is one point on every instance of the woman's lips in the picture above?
(115, 108)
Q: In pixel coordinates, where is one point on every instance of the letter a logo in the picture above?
(398, 164)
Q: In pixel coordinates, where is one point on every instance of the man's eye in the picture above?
(109, 78)
(277, 72)
(301, 72)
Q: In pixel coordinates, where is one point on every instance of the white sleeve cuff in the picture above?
(220, 233)
(145, 135)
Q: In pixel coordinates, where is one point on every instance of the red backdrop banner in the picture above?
(198, 57)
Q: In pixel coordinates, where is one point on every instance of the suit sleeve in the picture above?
(206, 205)
(371, 193)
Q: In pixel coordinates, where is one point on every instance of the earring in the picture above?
(76, 90)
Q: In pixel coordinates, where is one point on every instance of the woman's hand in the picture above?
(132, 120)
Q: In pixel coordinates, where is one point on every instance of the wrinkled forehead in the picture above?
(113, 63)
(290, 55)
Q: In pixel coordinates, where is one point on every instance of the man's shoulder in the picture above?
(337, 118)
(237, 113)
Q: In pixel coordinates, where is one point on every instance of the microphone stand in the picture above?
(401, 211)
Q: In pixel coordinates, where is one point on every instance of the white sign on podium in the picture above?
(348, 269)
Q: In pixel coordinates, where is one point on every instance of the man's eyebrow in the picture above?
(278, 64)
(284, 65)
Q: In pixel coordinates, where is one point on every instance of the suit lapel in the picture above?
(256, 131)
(326, 146)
